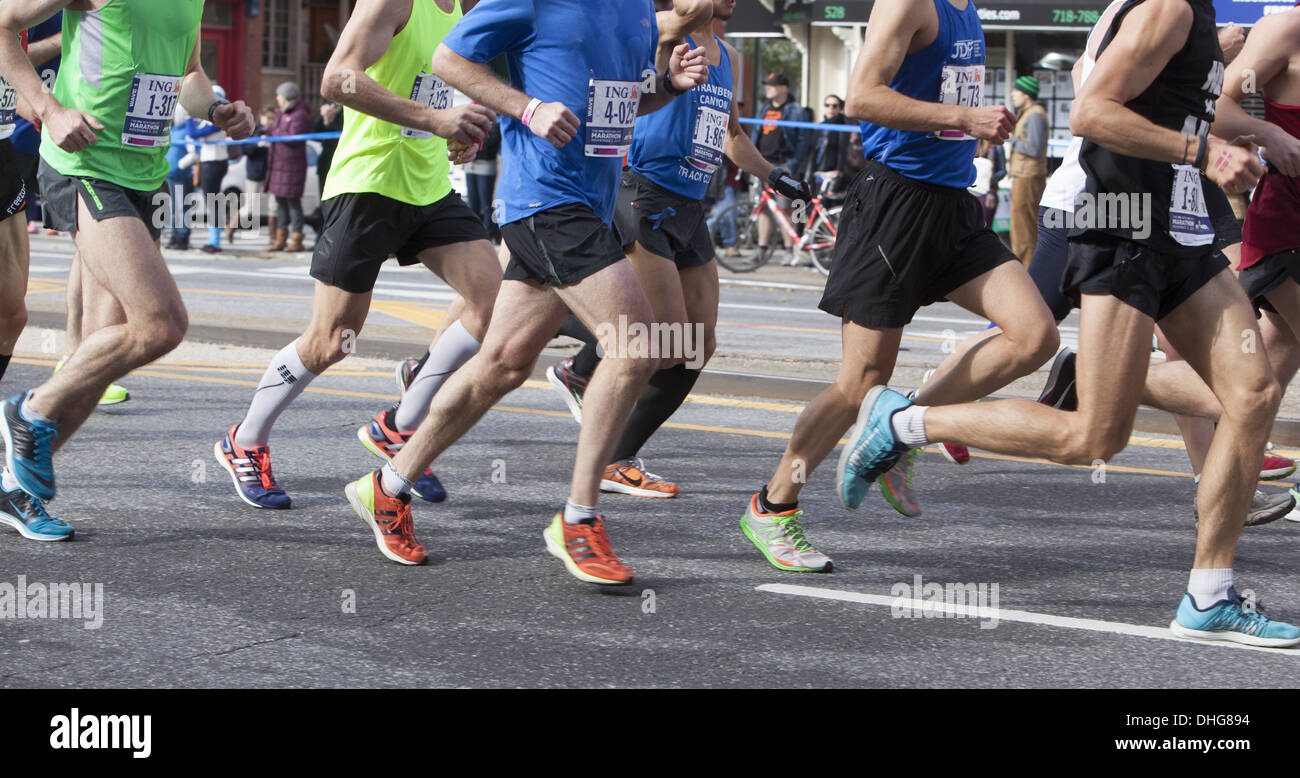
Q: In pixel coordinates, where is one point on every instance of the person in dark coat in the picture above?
(287, 166)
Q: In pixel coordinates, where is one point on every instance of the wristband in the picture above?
(212, 109)
(528, 112)
(1202, 150)
(670, 89)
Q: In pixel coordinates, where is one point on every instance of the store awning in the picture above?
(995, 14)
(751, 19)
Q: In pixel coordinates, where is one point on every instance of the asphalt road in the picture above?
(201, 590)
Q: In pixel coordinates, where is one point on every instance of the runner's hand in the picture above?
(1284, 154)
(1231, 39)
(554, 122)
(1235, 166)
(70, 129)
(459, 153)
(688, 68)
(235, 119)
(789, 186)
(466, 124)
(989, 122)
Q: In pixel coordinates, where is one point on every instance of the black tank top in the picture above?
(1180, 98)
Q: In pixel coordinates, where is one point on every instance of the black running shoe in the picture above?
(569, 384)
(1060, 391)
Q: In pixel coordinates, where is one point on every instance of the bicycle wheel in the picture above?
(746, 257)
(821, 247)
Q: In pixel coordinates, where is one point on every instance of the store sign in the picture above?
(1247, 12)
(1006, 13)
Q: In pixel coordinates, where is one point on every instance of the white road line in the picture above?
(1003, 614)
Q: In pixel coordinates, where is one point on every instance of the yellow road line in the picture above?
(423, 315)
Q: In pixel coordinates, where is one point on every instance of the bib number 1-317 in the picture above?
(149, 110)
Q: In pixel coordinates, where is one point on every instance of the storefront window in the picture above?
(275, 42)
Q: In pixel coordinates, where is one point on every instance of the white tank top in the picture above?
(1069, 179)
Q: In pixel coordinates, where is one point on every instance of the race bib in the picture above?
(431, 91)
(611, 115)
(710, 139)
(960, 85)
(8, 105)
(149, 111)
(1189, 221)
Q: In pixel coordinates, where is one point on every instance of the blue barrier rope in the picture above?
(1053, 142)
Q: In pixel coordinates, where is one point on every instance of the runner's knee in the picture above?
(320, 348)
(1092, 441)
(1253, 402)
(12, 323)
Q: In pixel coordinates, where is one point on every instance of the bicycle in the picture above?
(817, 241)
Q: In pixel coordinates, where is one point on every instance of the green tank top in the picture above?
(123, 65)
(380, 157)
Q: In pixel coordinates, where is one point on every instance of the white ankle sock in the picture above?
(574, 513)
(283, 381)
(393, 482)
(909, 425)
(1209, 586)
(25, 410)
(452, 350)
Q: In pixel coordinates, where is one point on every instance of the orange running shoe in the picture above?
(388, 517)
(585, 551)
(630, 477)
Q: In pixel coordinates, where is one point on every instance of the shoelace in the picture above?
(262, 464)
(790, 526)
(1248, 620)
(598, 542)
(43, 437)
(37, 507)
(639, 464)
(405, 526)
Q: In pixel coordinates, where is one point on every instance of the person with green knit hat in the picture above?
(1027, 166)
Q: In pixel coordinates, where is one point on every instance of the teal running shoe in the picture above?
(872, 448)
(1231, 620)
(27, 514)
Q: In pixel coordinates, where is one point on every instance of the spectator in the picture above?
(255, 171)
(785, 147)
(214, 163)
(481, 180)
(990, 169)
(1028, 167)
(831, 158)
(287, 167)
(180, 181)
(329, 120)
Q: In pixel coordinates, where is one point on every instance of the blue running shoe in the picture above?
(250, 469)
(872, 448)
(29, 449)
(27, 514)
(1230, 620)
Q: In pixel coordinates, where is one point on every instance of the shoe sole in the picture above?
(841, 466)
(221, 460)
(559, 553)
(1054, 375)
(360, 509)
(125, 397)
(1268, 517)
(26, 532)
(1230, 637)
(618, 488)
(12, 463)
(744, 527)
(555, 381)
(910, 512)
(1273, 475)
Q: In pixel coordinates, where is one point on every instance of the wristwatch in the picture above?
(212, 109)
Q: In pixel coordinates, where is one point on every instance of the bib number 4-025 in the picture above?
(611, 115)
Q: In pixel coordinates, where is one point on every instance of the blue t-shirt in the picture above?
(591, 56)
(949, 70)
(25, 138)
(680, 146)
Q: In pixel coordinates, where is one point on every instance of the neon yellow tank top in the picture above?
(380, 157)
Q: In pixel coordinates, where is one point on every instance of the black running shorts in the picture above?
(1153, 283)
(104, 200)
(1227, 229)
(363, 229)
(13, 193)
(559, 246)
(1268, 274)
(904, 244)
(663, 222)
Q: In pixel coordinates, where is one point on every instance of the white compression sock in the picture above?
(1209, 586)
(452, 350)
(283, 381)
(574, 513)
(909, 425)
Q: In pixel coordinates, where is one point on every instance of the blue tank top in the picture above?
(679, 146)
(950, 70)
